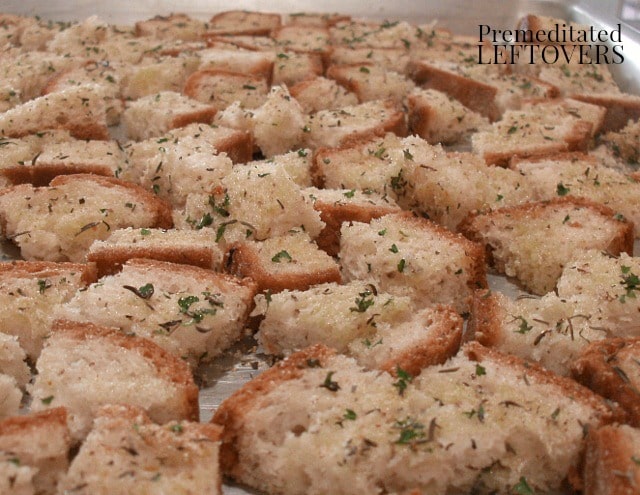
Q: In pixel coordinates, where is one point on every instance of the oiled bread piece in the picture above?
(109, 367)
(291, 261)
(244, 22)
(534, 241)
(611, 461)
(610, 368)
(410, 256)
(80, 110)
(187, 247)
(126, 453)
(440, 432)
(320, 93)
(381, 331)
(192, 312)
(39, 442)
(581, 175)
(624, 143)
(61, 221)
(30, 291)
(176, 26)
(370, 82)
(13, 359)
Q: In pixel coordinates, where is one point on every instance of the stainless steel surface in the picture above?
(230, 372)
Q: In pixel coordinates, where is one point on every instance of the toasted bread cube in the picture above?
(110, 368)
(609, 368)
(156, 75)
(220, 88)
(291, 68)
(249, 62)
(581, 175)
(316, 19)
(620, 108)
(66, 158)
(303, 38)
(372, 34)
(380, 330)
(297, 164)
(40, 441)
(238, 145)
(452, 185)
(192, 312)
(322, 94)
(337, 206)
(333, 128)
(18, 152)
(73, 211)
(515, 237)
(255, 201)
(107, 77)
(81, 110)
(174, 167)
(187, 247)
(291, 261)
(136, 454)
(30, 292)
(610, 466)
(393, 59)
(154, 115)
(438, 118)
(472, 396)
(370, 82)
(171, 27)
(539, 129)
(244, 22)
(13, 359)
(405, 255)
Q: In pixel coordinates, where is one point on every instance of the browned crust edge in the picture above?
(43, 269)
(21, 425)
(619, 109)
(485, 323)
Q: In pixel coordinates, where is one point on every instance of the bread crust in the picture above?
(20, 425)
(609, 467)
(597, 369)
(231, 413)
(160, 208)
(43, 269)
(171, 368)
(621, 108)
(484, 325)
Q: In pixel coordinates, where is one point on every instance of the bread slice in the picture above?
(303, 38)
(291, 261)
(13, 359)
(321, 93)
(337, 206)
(370, 82)
(379, 330)
(291, 68)
(110, 368)
(176, 26)
(609, 368)
(410, 256)
(560, 228)
(66, 217)
(81, 110)
(70, 157)
(581, 175)
(191, 312)
(11, 394)
(297, 164)
(375, 34)
(539, 129)
(137, 455)
(29, 293)
(333, 128)
(243, 22)
(154, 115)
(439, 118)
(255, 201)
(235, 59)
(220, 88)
(157, 74)
(621, 108)
(187, 247)
(610, 466)
(173, 166)
(41, 442)
(238, 145)
(439, 432)
(447, 186)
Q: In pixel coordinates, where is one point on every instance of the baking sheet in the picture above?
(220, 379)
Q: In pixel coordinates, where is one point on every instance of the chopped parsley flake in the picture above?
(282, 255)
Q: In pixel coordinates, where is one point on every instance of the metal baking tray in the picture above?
(229, 372)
